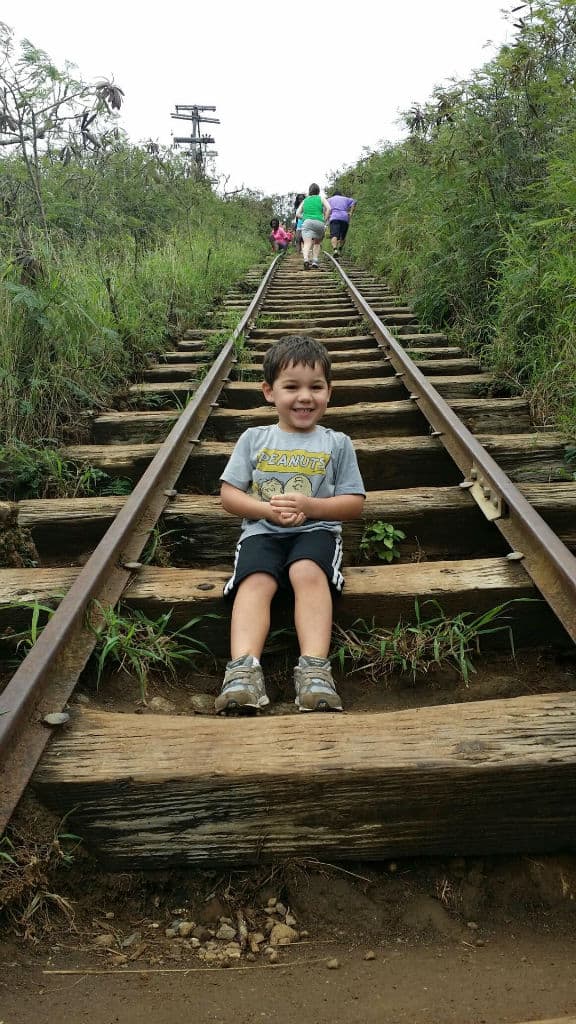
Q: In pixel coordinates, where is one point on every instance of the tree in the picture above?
(44, 110)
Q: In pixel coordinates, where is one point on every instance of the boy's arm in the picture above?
(239, 503)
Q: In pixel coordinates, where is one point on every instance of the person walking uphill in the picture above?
(341, 210)
(314, 211)
(294, 483)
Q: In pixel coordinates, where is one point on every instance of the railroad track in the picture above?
(489, 516)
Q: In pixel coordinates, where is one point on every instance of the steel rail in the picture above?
(47, 677)
(549, 563)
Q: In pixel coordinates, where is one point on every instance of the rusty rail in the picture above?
(545, 558)
(46, 678)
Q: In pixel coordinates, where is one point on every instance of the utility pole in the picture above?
(196, 142)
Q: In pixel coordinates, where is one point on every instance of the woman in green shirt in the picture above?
(315, 212)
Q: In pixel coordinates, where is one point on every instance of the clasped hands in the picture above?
(289, 509)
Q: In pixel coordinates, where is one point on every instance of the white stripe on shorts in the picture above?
(229, 585)
(337, 577)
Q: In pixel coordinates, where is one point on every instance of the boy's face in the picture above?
(300, 394)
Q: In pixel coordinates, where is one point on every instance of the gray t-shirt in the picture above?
(267, 461)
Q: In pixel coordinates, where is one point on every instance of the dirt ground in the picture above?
(463, 940)
(406, 948)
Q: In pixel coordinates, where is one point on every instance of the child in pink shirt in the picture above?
(279, 237)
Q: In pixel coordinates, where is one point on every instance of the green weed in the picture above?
(28, 471)
(416, 647)
(380, 540)
(134, 643)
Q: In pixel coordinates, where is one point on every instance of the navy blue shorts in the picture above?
(338, 229)
(274, 554)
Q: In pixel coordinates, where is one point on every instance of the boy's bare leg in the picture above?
(306, 249)
(251, 615)
(313, 608)
(316, 251)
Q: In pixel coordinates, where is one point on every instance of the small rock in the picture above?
(131, 939)
(480, 942)
(202, 703)
(272, 901)
(226, 931)
(194, 942)
(226, 920)
(81, 698)
(102, 941)
(56, 718)
(304, 934)
(109, 915)
(393, 867)
(185, 929)
(208, 955)
(283, 935)
(171, 933)
(160, 704)
(333, 964)
(281, 909)
(232, 951)
(472, 926)
(202, 933)
(251, 957)
(273, 957)
(370, 955)
(291, 920)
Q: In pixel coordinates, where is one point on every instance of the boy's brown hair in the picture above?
(295, 348)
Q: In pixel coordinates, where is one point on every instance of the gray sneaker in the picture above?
(243, 688)
(315, 690)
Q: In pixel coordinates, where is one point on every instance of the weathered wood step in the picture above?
(398, 320)
(298, 325)
(422, 339)
(348, 341)
(247, 395)
(166, 372)
(342, 356)
(384, 462)
(363, 419)
(163, 791)
(445, 521)
(384, 593)
(341, 369)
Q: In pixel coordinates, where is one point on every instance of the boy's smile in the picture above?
(300, 394)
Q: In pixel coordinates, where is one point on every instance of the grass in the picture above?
(31, 855)
(414, 648)
(134, 643)
(127, 639)
(42, 471)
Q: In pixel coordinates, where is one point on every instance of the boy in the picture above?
(293, 483)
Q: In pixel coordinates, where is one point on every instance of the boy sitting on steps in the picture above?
(293, 483)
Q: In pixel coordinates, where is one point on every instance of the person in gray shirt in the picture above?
(293, 483)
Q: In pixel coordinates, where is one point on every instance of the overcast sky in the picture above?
(300, 87)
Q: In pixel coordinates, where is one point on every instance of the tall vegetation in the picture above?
(473, 216)
(105, 247)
